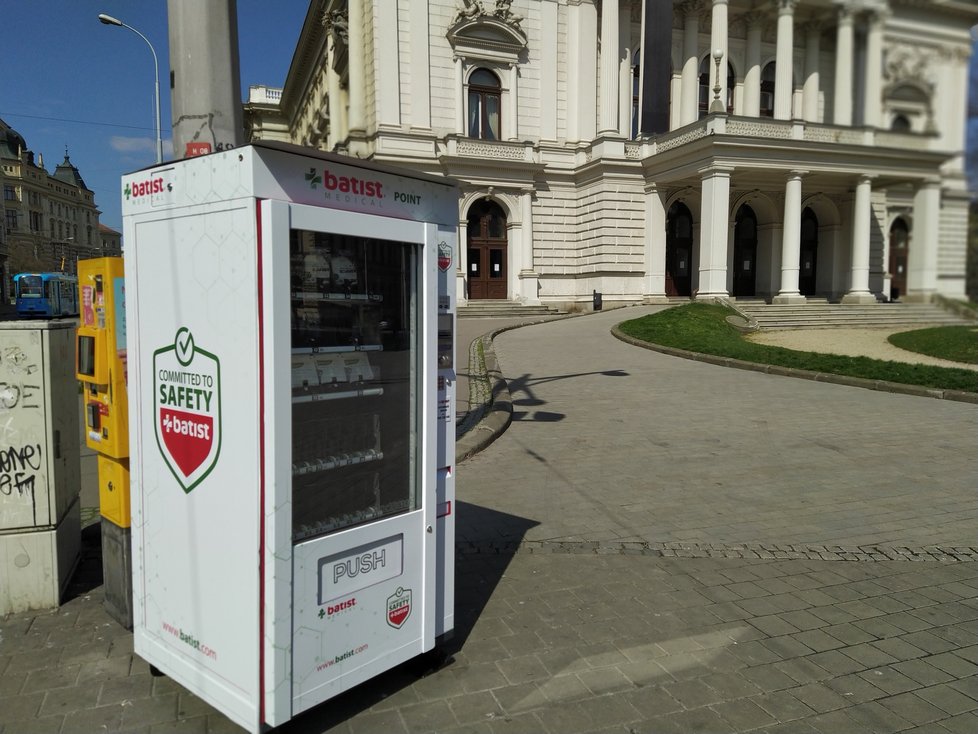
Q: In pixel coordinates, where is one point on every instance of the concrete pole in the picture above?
(205, 93)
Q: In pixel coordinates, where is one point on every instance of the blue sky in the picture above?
(69, 80)
(59, 64)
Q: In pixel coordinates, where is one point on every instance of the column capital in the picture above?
(797, 173)
(692, 7)
(786, 7)
(844, 11)
(715, 170)
(719, 2)
(754, 18)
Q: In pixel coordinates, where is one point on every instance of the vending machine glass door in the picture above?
(354, 314)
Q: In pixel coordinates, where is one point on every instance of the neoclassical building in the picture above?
(776, 149)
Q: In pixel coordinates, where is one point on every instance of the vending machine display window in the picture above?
(354, 371)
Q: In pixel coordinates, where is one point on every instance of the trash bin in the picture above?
(597, 300)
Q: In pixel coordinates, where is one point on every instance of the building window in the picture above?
(768, 75)
(901, 124)
(11, 220)
(485, 97)
(9, 194)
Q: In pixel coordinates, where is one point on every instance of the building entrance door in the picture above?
(808, 257)
(899, 253)
(679, 251)
(745, 253)
(487, 250)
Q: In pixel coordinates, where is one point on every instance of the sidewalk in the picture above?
(654, 545)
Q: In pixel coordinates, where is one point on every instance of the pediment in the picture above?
(486, 35)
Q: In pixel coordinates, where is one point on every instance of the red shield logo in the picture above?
(187, 406)
(399, 607)
(444, 256)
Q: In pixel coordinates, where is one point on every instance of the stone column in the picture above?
(842, 109)
(609, 68)
(419, 63)
(528, 276)
(752, 76)
(922, 265)
(513, 104)
(791, 242)
(689, 99)
(388, 89)
(872, 103)
(582, 29)
(813, 36)
(337, 127)
(655, 244)
(548, 70)
(714, 229)
(460, 127)
(784, 68)
(357, 82)
(718, 41)
(861, 213)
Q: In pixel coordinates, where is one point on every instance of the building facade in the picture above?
(50, 219)
(647, 149)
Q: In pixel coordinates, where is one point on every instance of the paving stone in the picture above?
(428, 716)
(782, 705)
(743, 714)
(922, 672)
(967, 686)
(149, 711)
(196, 725)
(890, 680)
(836, 663)
(692, 693)
(818, 640)
(731, 685)
(803, 670)
(961, 724)
(769, 678)
(855, 689)
(837, 722)
(848, 634)
(380, 721)
(819, 697)
(523, 669)
(103, 718)
(913, 708)
(953, 664)
(928, 642)
(652, 701)
(947, 699)
(48, 678)
(45, 725)
(571, 717)
(868, 656)
(877, 717)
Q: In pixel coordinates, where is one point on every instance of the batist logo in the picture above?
(342, 606)
(136, 189)
(345, 184)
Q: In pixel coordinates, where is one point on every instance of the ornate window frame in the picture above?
(489, 39)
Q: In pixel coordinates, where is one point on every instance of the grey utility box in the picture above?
(40, 516)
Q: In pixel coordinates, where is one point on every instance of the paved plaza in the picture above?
(653, 545)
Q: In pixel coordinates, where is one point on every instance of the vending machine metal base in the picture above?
(290, 330)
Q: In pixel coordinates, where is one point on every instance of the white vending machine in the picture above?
(291, 319)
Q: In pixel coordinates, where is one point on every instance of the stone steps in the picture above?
(503, 310)
(821, 314)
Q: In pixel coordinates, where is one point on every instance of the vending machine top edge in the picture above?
(291, 325)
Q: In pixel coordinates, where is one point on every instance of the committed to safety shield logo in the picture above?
(187, 408)
(399, 607)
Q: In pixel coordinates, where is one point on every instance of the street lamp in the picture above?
(109, 20)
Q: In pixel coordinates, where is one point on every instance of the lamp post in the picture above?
(717, 105)
(109, 20)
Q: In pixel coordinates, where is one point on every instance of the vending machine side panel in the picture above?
(194, 413)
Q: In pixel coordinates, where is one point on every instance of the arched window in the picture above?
(706, 91)
(768, 75)
(485, 95)
(901, 124)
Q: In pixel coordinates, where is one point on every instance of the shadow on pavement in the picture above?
(479, 567)
(88, 572)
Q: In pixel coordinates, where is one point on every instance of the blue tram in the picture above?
(47, 295)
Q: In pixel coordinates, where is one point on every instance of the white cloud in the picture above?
(122, 144)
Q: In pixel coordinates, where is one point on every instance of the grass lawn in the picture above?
(700, 327)
(957, 343)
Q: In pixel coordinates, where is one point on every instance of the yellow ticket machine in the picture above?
(102, 369)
